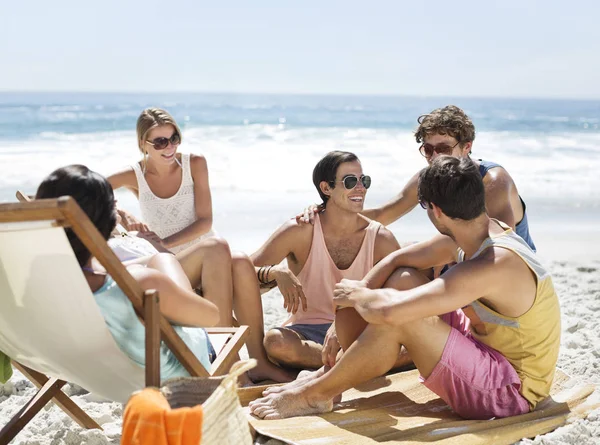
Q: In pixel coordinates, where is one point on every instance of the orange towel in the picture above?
(149, 420)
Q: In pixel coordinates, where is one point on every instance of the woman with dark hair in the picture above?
(179, 303)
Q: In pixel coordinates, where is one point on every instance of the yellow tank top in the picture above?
(529, 342)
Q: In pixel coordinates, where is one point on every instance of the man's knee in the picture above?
(402, 331)
(407, 332)
(280, 346)
(405, 278)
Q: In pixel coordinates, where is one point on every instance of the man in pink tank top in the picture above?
(341, 244)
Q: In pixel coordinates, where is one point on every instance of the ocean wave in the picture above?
(280, 160)
(60, 108)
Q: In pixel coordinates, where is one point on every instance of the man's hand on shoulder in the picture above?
(308, 216)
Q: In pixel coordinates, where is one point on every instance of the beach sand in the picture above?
(578, 286)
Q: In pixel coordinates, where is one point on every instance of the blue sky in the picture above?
(525, 48)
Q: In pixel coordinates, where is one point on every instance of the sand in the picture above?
(578, 286)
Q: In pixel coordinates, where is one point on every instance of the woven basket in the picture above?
(224, 421)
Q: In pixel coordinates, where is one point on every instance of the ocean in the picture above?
(261, 149)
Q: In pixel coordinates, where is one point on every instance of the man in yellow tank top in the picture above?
(495, 358)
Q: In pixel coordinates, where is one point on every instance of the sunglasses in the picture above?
(162, 143)
(441, 149)
(425, 205)
(350, 181)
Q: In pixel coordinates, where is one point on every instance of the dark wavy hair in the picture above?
(449, 120)
(94, 195)
(327, 167)
(455, 186)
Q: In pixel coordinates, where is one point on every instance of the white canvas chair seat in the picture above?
(50, 320)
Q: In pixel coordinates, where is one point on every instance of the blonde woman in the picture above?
(172, 188)
(176, 207)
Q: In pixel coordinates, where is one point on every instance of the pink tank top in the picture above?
(320, 275)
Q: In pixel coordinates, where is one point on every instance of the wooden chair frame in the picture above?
(66, 213)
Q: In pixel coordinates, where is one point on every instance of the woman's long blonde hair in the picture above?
(149, 119)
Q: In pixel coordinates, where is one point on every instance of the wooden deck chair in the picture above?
(51, 326)
(219, 337)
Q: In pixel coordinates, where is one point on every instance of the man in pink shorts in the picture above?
(484, 336)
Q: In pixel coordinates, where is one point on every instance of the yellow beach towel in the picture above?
(149, 420)
(398, 409)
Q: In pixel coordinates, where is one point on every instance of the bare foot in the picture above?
(269, 371)
(303, 377)
(293, 402)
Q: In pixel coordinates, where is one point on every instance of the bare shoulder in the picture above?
(503, 261)
(293, 228)
(123, 178)
(199, 170)
(497, 177)
(496, 269)
(386, 237)
(198, 162)
(385, 243)
(290, 237)
(197, 159)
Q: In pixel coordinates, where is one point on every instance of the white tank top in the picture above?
(167, 216)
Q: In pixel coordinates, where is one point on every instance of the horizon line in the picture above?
(308, 94)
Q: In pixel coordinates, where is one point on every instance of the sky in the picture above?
(510, 48)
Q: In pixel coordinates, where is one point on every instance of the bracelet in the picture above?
(263, 274)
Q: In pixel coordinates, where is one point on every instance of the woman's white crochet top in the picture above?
(170, 215)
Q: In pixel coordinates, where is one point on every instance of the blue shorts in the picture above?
(312, 332)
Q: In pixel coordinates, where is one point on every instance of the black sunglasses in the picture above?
(350, 181)
(441, 149)
(425, 205)
(162, 143)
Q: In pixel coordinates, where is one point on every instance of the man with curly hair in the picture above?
(449, 131)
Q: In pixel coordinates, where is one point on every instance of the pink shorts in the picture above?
(475, 380)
